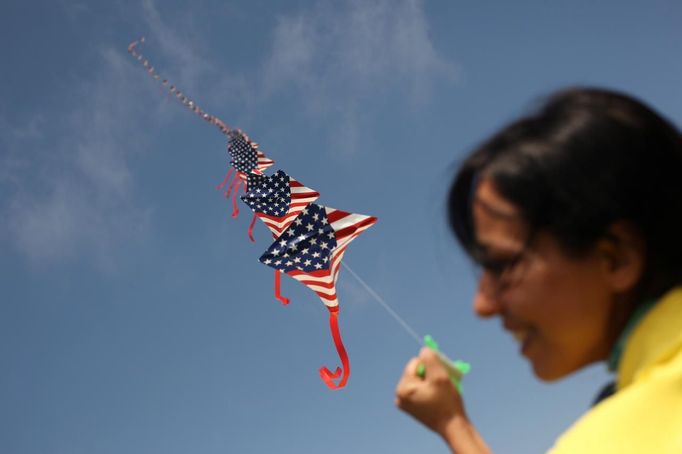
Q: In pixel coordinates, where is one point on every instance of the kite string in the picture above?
(385, 305)
(191, 105)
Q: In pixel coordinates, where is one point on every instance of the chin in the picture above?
(550, 373)
(549, 378)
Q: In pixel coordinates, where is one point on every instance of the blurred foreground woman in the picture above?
(574, 214)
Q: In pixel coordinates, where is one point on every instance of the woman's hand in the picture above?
(433, 400)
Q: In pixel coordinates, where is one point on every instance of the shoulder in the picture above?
(646, 416)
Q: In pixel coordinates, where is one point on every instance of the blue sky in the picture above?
(134, 315)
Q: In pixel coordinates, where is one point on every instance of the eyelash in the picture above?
(500, 266)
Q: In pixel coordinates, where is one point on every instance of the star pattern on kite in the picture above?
(269, 195)
(306, 246)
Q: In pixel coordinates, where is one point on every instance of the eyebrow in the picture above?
(501, 213)
(494, 251)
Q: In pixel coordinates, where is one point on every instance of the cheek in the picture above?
(559, 288)
(568, 306)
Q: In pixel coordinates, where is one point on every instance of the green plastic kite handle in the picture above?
(456, 369)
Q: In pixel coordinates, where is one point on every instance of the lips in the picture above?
(519, 336)
(513, 325)
(521, 333)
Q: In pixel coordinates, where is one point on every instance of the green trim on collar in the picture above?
(637, 315)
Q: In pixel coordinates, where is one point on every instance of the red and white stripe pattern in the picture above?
(347, 227)
(262, 161)
(300, 197)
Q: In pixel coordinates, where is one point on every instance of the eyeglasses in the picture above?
(501, 272)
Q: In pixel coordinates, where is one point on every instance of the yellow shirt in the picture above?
(645, 414)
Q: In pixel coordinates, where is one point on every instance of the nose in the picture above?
(487, 302)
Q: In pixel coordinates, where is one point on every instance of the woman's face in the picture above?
(559, 308)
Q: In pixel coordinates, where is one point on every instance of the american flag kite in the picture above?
(246, 157)
(310, 251)
(277, 200)
(310, 239)
(247, 160)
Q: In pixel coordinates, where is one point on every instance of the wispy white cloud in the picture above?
(339, 53)
(178, 43)
(71, 191)
(75, 196)
(74, 9)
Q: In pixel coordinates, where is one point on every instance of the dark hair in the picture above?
(582, 161)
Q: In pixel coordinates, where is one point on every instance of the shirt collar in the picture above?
(652, 334)
(617, 351)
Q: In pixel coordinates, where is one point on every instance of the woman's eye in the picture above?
(496, 267)
(499, 266)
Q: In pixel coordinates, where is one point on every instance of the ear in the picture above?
(623, 250)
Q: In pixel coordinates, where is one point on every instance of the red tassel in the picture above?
(278, 294)
(235, 182)
(225, 180)
(250, 231)
(325, 374)
(235, 208)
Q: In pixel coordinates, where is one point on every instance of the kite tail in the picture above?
(278, 292)
(172, 89)
(226, 179)
(236, 184)
(325, 374)
(233, 184)
(250, 230)
(236, 187)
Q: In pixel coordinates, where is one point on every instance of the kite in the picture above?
(247, 160)
(310, 251)
(309, 239)
(277, 200)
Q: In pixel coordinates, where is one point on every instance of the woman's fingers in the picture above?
(432, 362)
(408, 383)
(430, 397)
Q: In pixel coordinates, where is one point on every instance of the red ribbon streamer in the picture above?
(278, 293)
(250, 230)
(235, 182)
(240, 184)
(325, 374)
(226, 179)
